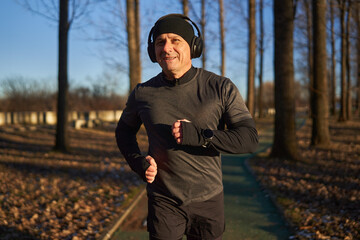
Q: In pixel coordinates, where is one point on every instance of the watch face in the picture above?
(208, 133)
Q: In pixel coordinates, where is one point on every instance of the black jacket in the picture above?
(188, 172)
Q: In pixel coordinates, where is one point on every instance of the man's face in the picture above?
(173, 54)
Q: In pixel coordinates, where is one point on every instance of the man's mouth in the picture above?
(169, 58)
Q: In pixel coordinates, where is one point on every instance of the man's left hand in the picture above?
(177, 131)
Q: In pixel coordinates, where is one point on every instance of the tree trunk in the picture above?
(320, 128)
(261, 59)
(285, 145)
(222, 37)
(251, 58)
(132, 44)
(357, 20)
(342, 116)
(62, 139)
(138, 40)
(307, 4)
(333, 61)
(185, 4)
(348, 65)
(203, 24)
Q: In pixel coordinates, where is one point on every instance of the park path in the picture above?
(249, 212)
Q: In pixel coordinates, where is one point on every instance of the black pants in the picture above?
(200, 220)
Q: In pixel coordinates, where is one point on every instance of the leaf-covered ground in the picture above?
(320, 194)
(50, 195)
(78, 195)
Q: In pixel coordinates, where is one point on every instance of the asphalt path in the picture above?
(249, 211)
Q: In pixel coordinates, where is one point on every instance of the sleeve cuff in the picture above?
(191, 135)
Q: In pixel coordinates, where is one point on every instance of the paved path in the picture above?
(249, 213)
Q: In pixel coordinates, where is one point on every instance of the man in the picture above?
(184, 110)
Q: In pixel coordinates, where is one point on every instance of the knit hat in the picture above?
(174, 24)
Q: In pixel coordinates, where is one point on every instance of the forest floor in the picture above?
(320, 194)
(51, 195)
(78, 195)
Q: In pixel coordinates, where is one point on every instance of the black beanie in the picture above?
(174, 24)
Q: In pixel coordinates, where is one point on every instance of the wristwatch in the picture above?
(208, 135)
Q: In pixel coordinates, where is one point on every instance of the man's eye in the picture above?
(159, 43)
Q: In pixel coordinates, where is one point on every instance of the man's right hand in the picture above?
(151, 171)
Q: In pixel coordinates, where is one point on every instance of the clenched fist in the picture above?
(151, 171)
(177, 131)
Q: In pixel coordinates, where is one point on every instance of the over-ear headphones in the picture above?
(196, 46)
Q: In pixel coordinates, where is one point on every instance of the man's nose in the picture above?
(167, 46)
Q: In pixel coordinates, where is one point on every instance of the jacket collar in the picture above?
(184, 79)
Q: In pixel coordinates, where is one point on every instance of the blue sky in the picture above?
(28, 48)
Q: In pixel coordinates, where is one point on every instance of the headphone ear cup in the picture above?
(151, 51)
(196, 47)
(151, 48)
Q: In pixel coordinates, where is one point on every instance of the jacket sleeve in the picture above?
(240, 137)
(128, 146)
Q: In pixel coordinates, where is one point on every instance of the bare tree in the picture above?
(49, 10)
(342, 8)
(119, 28)
(268, 95)
(333, 60)
(185, 5)
(203, 24)
(222, 36)
(62, 138)
(261, 58)
(133, 36)
(251, 57)
(285, 145)
(303, 43)
(357, 22)
(309, 33)
(320, 128)
(23, 94)
(348, 66)
(138, 39)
